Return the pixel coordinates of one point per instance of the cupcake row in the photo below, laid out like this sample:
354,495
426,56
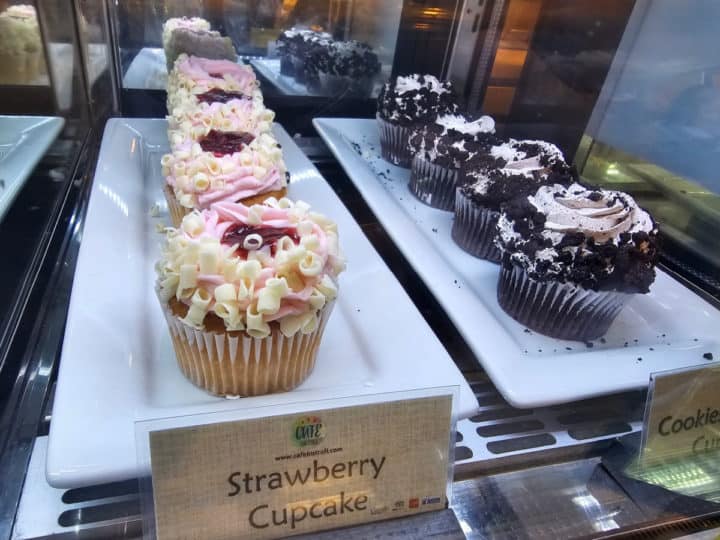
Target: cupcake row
571,255
247,278
326,65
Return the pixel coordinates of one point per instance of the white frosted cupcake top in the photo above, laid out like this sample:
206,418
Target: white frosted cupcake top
232,167
252,266
198,115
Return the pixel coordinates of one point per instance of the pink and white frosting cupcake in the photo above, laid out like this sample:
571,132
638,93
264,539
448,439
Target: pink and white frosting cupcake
217,110
222,166
247,292
193,76
190,23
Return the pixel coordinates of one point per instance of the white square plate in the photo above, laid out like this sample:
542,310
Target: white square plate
117,364
671,327
23,141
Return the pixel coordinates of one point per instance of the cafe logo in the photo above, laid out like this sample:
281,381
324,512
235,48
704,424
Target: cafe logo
308,430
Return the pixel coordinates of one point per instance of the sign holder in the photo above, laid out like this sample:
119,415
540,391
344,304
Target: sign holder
681,432
280,470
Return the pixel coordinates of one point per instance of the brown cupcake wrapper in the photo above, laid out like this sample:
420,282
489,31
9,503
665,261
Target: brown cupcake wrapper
475,227
286,66
433,184
235,364
394,143
559,310
176,210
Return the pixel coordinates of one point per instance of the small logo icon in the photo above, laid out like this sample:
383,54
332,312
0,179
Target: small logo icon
308,430
378,510
431,500
399,505
414,502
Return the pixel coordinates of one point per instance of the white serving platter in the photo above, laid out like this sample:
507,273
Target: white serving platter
669,328
23,141
117,365
270,69
147,71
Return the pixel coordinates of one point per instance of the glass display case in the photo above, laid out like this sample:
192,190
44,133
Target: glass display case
120,120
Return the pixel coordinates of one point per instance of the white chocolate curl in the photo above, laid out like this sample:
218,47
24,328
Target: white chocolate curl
281,284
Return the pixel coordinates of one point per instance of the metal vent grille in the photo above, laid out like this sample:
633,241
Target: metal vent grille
501,431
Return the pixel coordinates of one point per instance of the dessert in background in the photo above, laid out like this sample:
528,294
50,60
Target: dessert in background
201,43
293,48
190,23
222,166
407,101
441,148
247,292
20,45
492,178
346,68
572,257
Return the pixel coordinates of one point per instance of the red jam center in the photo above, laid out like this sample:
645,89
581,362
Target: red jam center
222,143
236,234
216,95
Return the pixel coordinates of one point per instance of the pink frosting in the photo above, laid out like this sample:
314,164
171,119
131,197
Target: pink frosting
237,184
203,69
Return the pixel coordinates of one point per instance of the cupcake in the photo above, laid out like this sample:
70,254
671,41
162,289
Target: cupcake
222,166
494,177
20,45
247,292
283,46
194,80
348,68
195,115
404,102
201,43
191,23
440,148
572,257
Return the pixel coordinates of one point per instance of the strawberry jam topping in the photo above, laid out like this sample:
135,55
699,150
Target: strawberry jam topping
237,234
216,95
221,143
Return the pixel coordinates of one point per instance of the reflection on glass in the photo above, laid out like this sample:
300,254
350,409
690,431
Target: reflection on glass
21,51
332,48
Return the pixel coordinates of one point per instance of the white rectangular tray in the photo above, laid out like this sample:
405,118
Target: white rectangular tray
671,327
117,364
23,141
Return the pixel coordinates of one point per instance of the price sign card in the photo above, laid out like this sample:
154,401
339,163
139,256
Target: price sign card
682,416
297,473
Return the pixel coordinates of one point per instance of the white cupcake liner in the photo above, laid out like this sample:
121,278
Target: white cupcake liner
475,227
394,143
235,364
560,310
433,184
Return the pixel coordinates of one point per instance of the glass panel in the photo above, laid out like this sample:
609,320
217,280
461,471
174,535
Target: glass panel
311,59
655,130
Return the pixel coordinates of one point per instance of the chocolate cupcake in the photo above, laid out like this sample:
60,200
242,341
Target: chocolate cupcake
347,68
440,148
492,178
572,257
404,102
